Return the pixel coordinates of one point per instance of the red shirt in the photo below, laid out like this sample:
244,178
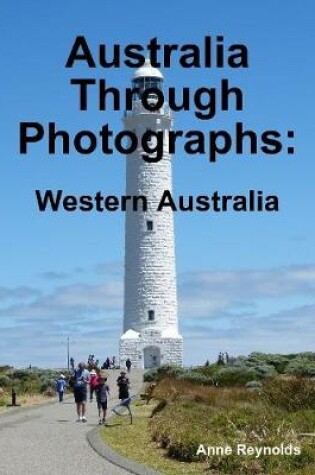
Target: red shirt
94,380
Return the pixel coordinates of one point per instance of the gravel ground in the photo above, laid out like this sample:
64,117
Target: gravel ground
47,440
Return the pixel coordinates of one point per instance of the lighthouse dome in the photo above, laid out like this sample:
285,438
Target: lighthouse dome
147,70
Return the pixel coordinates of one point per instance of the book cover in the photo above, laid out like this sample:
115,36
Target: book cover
211,233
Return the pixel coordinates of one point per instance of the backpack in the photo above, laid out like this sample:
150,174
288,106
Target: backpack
77,381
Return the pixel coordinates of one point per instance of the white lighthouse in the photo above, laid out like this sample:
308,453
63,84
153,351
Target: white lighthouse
150,335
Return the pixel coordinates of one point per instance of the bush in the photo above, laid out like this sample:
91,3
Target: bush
4,380
184,451
301,364
206,370
150,376
156,374
253,385
46,381
25,381
292,395
233,376
3,401
302,368
196,378
307,355
253,425
21,374
265,371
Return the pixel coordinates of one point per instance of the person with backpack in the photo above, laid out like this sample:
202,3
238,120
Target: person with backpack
80,380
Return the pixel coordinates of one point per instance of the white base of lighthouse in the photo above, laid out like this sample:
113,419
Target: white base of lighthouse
150,349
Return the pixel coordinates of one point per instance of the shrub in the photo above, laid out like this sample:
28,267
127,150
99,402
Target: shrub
253,425
292,363
21,374
150,376
307,355
47,384
265,371
209,370
156,374
233,376
4,380
3,401
197,378
167,369
24,381
291,395
300,367
253,385
184,451
279,364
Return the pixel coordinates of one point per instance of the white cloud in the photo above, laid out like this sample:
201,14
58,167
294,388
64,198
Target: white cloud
18,293
237,311
206,294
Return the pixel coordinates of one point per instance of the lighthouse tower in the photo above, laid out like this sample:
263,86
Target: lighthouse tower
150,335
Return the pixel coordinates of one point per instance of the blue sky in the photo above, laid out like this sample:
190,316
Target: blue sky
245,281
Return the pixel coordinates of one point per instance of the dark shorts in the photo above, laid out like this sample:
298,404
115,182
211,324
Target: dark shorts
80,394
102,405
123,393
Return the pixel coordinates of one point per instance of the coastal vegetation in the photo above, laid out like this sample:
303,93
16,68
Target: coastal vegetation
29,385
255,416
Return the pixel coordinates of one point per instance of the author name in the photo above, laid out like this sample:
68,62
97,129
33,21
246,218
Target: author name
250,201
249,450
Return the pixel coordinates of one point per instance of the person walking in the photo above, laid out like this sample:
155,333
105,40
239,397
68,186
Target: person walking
128,365
123,386
94,382
80,381
72,363
102,394
60,387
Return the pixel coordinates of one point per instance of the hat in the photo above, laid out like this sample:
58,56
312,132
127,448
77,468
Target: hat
62,376
122,372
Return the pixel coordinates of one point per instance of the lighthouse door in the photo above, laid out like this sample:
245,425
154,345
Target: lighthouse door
152,357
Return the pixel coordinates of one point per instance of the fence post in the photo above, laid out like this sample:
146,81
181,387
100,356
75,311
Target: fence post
13,400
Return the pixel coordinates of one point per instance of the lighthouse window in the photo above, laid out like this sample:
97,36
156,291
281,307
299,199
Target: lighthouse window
147,82
149,225
151,316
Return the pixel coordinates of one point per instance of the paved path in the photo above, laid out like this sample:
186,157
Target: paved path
47,440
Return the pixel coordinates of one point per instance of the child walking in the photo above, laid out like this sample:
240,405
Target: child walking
102,394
